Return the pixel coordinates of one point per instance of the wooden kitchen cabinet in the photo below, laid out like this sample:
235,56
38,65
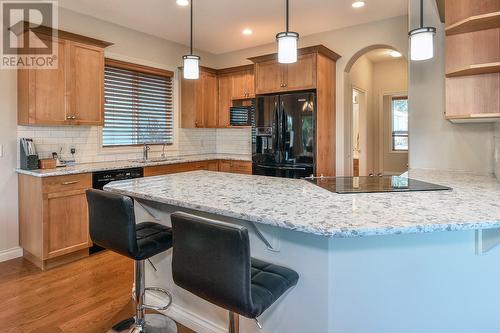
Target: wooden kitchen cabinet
235,84
269,77
243,83
199,99
86,84
472,60
273,77
244,167
211,165
53,218
72,93
225,101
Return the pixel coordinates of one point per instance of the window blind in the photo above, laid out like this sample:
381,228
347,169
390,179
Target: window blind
138,106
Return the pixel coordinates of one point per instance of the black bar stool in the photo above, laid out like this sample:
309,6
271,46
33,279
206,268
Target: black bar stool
211,259
113,226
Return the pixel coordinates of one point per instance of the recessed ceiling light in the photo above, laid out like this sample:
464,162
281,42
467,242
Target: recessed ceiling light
358,4
182,3
394,54
247,32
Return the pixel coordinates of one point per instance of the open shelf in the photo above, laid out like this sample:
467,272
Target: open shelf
475,23
492,67
474,118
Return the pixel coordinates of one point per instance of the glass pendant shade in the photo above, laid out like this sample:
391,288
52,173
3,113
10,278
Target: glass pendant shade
191,67
287,47
422,43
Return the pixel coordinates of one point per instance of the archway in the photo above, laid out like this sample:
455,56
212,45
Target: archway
373,141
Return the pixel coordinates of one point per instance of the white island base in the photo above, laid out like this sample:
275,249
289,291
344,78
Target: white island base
411,283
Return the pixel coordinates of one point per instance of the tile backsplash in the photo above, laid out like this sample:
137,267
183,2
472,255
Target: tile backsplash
87,142
497,149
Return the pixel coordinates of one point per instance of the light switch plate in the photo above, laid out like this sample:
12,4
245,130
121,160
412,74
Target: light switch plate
1,150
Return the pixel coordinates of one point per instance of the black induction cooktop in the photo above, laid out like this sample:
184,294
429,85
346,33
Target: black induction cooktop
344,185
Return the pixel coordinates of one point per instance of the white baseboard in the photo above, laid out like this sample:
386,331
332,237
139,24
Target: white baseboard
185,317
13,253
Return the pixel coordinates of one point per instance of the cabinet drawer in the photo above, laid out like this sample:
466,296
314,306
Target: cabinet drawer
67,183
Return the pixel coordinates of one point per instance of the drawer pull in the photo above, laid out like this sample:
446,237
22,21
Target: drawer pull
70,183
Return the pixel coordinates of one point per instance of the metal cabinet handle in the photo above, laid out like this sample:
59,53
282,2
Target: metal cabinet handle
70,183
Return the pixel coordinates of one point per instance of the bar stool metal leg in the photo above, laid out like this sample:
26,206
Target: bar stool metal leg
144,323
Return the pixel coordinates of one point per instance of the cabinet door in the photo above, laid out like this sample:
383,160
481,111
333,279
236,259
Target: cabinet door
191,112
269,77
87,79
213,165
225,84
67,223
209,99
225,166
302,74
49,91
243,85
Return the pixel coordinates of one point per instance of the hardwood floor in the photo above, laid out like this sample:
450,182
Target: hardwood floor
87,296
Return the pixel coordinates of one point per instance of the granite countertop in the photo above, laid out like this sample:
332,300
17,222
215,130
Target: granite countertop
103,166
474,202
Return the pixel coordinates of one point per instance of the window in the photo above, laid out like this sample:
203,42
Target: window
138,105
400,123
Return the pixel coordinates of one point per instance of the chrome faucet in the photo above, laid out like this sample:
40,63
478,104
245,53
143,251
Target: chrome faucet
145,152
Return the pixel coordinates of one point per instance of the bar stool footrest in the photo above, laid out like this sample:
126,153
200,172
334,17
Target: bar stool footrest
161,291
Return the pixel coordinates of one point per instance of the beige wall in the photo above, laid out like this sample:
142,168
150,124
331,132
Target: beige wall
389,78
436,143
497,150
362,79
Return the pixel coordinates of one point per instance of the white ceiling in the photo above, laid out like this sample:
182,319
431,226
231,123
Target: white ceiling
379,55
218,23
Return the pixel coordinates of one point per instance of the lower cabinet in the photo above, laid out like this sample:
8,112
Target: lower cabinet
53,218
243,167
212,165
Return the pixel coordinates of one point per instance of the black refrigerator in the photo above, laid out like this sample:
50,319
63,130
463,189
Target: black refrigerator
283,142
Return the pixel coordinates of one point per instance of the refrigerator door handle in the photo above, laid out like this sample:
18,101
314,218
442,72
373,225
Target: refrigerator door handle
276,134
284,129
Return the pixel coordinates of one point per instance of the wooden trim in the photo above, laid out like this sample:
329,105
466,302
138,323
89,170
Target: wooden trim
474,116
44,30
492,67
475,23
320,49
137,67
236,69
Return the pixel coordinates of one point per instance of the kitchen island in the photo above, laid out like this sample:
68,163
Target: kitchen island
367,262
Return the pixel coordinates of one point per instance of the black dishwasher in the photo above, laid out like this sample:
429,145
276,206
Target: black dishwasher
101,178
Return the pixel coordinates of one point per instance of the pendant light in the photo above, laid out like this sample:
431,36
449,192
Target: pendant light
191,61
287,43
422,39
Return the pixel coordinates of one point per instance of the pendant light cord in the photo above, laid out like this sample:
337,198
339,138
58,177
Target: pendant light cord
287,15
421,13
191,33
